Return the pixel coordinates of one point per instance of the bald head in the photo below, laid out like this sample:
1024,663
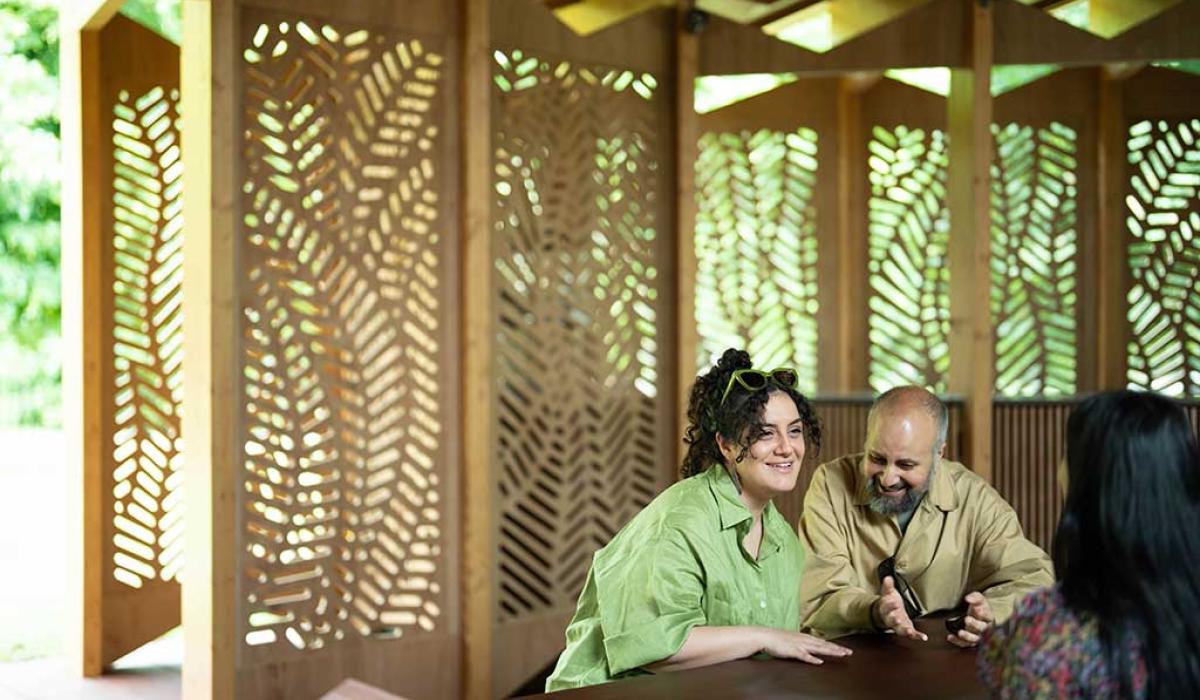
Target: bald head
903,401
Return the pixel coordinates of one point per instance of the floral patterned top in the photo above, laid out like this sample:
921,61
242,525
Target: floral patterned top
1047,650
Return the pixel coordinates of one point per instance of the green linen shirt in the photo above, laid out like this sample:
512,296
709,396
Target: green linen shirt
678,564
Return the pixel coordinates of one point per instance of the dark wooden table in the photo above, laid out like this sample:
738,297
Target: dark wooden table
882,666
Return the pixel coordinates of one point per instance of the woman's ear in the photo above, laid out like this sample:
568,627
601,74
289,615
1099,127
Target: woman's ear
728,449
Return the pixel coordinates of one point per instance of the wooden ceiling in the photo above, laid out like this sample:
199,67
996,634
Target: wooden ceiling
822,25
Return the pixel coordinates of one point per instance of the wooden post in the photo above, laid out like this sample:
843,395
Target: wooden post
851,366
83,264
687,135
1112,273
211,344
972,367
480,504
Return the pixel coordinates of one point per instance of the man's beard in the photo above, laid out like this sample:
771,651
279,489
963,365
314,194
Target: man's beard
887,505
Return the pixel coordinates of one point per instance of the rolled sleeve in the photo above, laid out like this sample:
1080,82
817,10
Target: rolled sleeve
649,602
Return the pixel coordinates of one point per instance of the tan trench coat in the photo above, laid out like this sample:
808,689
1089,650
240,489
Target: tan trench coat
962,538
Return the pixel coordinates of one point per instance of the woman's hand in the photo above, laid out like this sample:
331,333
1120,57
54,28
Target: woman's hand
803,647
705,646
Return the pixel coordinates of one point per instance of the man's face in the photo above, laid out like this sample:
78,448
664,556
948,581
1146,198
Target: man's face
899,458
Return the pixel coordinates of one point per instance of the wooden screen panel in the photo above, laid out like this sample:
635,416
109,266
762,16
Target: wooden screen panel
140,301
756,248
1162,215
582,364
908,235
1034,236
1044,238
349,538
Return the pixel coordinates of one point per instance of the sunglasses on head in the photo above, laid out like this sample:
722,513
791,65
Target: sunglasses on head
756,380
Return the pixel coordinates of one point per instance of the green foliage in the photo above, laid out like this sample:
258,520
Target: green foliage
30,298
30,301
162,16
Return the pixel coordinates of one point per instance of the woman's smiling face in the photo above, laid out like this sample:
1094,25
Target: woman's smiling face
771,465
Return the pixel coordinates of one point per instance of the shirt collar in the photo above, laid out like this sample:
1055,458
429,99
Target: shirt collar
941,492
733,512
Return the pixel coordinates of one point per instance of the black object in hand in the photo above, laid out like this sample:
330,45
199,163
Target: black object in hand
956,624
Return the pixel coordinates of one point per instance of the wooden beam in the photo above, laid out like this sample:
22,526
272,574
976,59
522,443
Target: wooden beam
687,135
480,503
785,12
929,35
1027,35
1112,267
824,26
587,18
637,43
210,135
972,365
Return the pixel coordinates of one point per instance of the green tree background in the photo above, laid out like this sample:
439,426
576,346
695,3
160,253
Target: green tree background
30,298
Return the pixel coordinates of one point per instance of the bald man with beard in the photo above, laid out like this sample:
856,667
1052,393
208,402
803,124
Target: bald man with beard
898,532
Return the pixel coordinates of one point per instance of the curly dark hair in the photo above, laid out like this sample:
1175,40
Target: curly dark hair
738,419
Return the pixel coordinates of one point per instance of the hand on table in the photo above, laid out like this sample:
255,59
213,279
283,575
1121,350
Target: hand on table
975,623
804,647
889,612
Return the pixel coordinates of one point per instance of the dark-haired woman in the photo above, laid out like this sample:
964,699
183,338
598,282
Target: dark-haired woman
709,571
1124,619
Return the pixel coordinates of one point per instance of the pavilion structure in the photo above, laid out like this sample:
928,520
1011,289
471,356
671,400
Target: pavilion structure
379,315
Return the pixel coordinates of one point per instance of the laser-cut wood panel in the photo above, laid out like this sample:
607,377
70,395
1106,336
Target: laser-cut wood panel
909,232
139,300
1034,269
580,226
756,248
349,562
1163,217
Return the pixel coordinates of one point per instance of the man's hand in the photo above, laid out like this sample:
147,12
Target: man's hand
889,612
977,620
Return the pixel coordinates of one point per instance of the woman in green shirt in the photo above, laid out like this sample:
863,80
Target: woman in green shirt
709,571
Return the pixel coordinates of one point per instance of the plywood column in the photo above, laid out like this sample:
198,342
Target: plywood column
972,366
83,328
211,332
1112,269
479,486
850,362
687,134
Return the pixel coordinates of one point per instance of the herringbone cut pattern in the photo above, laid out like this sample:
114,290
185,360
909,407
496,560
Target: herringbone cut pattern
147,250
756,248
1034,272
344,323
1164,257
908,235
579,350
